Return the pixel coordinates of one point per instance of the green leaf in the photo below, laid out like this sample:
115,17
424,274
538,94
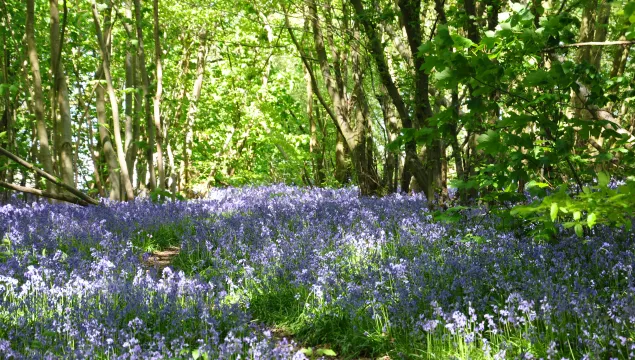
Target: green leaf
576,215
603,179
196,354
325,352
443,37
307,351
517,7
554,211
536,78
462,42
591,220
578,230
443,75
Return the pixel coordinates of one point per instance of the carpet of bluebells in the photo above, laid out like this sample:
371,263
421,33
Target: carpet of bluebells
367,277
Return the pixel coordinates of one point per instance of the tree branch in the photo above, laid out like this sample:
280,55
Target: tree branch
28,190
49,177
310,71
592,43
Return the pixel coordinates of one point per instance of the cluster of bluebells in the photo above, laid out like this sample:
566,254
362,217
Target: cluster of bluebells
72,283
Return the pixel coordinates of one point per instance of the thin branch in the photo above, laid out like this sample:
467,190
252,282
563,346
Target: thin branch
310,71
592,43
564,2
38,192
49,177
63,32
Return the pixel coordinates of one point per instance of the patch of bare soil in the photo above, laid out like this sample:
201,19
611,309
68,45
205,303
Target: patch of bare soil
159,260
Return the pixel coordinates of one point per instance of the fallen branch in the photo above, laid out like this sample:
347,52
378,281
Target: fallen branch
49,177
46,194
592,43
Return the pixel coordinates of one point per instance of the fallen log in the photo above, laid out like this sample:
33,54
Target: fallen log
49,177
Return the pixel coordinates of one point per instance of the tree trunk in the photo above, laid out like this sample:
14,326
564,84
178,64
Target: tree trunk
121,156
341,167
64,146
106,142
363,156
159,93
619,59
601,30
171,126
193,109
412,164
145,86
130,140
89,136
136,131
38,99
314,145
393,127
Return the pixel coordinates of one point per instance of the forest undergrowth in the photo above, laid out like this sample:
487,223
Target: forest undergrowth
336,274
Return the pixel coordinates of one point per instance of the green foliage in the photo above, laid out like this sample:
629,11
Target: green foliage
595,205
161,195
5,248
449,216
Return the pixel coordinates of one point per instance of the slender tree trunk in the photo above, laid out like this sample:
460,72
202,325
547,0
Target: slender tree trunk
145,86
63,122
141,166
314,145
412,164
363,155
130,145
341,167
171,127
601,30
193,108
619,59
109,150
89,137
393,127
410,10
159,93
121,156
109,160
6,119
38,99
331,83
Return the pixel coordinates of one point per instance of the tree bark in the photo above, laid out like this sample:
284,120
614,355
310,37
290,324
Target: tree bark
121,156
314,145
601,30
393,127
48,176
38,99
37,192
65,146
159,93
193,108
413,165
89,140
145,86
109,150
171,126
131,138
